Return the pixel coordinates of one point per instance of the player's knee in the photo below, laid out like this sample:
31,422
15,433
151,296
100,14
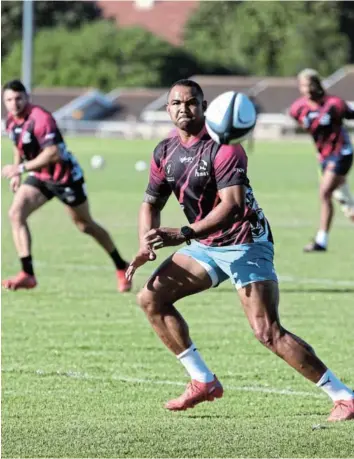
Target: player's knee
16,215
268,335
146,301
84,226
325,194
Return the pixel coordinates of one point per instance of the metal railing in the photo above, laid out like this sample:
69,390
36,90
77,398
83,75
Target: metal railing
269,125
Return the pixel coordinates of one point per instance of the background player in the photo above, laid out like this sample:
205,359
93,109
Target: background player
53,172
322,116
231,239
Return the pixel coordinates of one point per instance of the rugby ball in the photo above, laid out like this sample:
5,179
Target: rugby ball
97,162
230,117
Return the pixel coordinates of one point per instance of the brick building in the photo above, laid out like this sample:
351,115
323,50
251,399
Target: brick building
165,19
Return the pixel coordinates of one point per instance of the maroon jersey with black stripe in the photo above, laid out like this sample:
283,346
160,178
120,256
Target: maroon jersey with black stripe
195,172
324,121
36,131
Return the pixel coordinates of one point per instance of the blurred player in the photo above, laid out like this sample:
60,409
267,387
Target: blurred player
53,172
228,237
257,106
322,116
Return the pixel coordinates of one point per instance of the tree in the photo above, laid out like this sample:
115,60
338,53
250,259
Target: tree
69,14
347,23
209,36
98,54
269,38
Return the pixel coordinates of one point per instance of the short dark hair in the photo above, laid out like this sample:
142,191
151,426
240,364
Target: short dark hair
15,85
188,84
315,81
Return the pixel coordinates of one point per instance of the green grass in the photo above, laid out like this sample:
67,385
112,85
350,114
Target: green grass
85,376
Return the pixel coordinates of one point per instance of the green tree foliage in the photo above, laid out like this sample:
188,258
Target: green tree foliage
68,14
269,38
100,55
347,23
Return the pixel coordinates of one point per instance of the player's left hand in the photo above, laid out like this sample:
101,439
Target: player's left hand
164,237
10,170
143,256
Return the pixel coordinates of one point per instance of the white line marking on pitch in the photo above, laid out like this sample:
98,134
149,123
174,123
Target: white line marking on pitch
284,279
121,378
268,390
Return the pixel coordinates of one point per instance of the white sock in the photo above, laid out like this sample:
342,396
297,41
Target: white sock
195,365
343,195
345,199
322,238
334,388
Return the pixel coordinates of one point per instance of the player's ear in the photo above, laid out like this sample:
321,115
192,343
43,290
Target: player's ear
168,108
204,105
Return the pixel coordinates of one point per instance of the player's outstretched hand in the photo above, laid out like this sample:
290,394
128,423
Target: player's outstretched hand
10,170
142,257
163,237
15,183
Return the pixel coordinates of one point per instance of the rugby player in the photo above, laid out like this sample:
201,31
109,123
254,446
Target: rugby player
53,171
322,115
228,237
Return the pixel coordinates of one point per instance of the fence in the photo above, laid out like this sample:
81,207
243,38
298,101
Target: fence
269,126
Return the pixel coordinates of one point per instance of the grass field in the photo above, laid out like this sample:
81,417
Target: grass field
83,375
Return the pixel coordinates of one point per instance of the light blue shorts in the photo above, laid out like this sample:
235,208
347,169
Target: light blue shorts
242,264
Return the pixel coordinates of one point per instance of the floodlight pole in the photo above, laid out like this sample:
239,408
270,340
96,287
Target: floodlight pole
27,44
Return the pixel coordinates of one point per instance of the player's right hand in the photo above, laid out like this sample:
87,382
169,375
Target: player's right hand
15,183
143,256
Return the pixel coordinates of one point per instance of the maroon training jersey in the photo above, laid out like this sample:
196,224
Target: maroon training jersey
32,134
324,121
195,173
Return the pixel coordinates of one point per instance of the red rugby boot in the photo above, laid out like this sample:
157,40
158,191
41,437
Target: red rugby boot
123,284
21,280
343,410
196,392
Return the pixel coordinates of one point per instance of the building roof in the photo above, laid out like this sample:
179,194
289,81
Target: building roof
52,98
130,103
166,19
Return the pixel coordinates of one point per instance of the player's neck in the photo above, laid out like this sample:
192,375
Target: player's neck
317,100
21,116
189,138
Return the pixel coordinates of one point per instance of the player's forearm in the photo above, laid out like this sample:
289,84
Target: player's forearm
17,157
49,155
221,217
149,218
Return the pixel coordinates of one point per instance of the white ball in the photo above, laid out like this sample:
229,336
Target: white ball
230,117
97,162
140,166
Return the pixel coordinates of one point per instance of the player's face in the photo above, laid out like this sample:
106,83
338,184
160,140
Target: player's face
15,102
186,108
306,88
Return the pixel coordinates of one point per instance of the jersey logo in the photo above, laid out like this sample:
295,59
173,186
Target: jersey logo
186,159
202,169
26,138
169,170
313,115
325,120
